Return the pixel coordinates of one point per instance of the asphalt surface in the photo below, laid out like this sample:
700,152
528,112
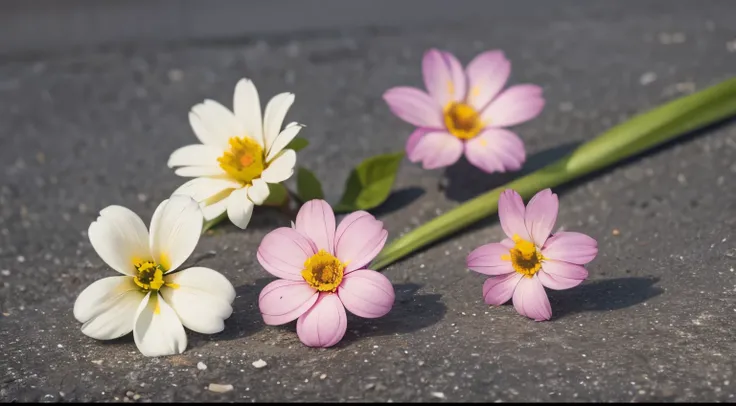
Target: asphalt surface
655,321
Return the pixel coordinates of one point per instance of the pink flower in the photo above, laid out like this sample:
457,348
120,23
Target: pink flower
522,265
322,273
466,111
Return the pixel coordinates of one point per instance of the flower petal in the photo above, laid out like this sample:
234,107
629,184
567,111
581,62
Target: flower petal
280,168
570,246
283,252
258,193
247,108
203,189
443,77
487,73
216,209
530,299
157,329
200,297
496,150
175,229
199,171
324,324
499,289
564,269
203,133
540,216
366,293
224,119
316,220
486,259
120,238
358,239
273,119
413,140
557,283
515,105
212,121
107,307
282,140
436,150
195,155
511,213
282,301
415,107
239,208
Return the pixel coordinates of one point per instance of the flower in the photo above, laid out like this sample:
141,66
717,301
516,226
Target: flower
322,273
151,299
465,111
529,260
239,154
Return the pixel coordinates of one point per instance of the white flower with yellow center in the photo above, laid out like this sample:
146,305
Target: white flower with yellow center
239,155
152,300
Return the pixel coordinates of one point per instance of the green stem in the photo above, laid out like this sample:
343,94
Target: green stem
625,140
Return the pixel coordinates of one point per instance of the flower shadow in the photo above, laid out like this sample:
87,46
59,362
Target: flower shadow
397,200
411,312
603,295
464,181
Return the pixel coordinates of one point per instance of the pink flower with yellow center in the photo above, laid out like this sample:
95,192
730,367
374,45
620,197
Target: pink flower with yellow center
322,271
466,112
529,260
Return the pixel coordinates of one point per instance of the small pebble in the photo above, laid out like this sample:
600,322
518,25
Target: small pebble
438,395
259,364
21,259
201,366
615,231
97,361
136,396
323,376
218,388
129,393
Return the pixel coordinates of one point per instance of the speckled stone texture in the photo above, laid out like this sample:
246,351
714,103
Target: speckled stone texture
655,321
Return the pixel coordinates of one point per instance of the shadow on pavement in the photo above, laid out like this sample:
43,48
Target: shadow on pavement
398,200
603,295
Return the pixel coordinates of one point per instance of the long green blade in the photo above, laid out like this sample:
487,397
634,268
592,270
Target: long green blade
630,138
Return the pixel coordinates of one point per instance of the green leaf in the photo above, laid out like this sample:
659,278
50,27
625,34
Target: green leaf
308,186
277,196
623,141
297,144
370,183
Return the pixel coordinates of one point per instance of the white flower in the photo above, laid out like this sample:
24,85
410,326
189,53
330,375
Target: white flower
239,153
151,300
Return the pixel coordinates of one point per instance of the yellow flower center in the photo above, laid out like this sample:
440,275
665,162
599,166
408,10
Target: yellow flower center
150,276
244,161
462,120
524,257
323,271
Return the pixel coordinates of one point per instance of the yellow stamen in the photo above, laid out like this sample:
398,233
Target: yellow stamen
323,271
150,276
525,258
462,120
244,161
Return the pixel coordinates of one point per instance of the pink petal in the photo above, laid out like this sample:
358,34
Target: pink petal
282,301
283,252
316,220
511,214
487,73
556,282
530,299
443,76
366,293
486,259
499,289
496,150
324,324
413,140
541,214
437,150
570,246
414,106
564,269
358,239
515,105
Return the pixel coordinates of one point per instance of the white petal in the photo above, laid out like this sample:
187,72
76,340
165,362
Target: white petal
211,119
108,307
207,189
258,193
239,208
247,108
225,118
215,210
281,168
195,155
198,171
119,238
274,117
175,229
204,134
157,329
201,298
282,140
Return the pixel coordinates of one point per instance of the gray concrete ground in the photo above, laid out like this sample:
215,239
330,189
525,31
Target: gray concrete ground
655,321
